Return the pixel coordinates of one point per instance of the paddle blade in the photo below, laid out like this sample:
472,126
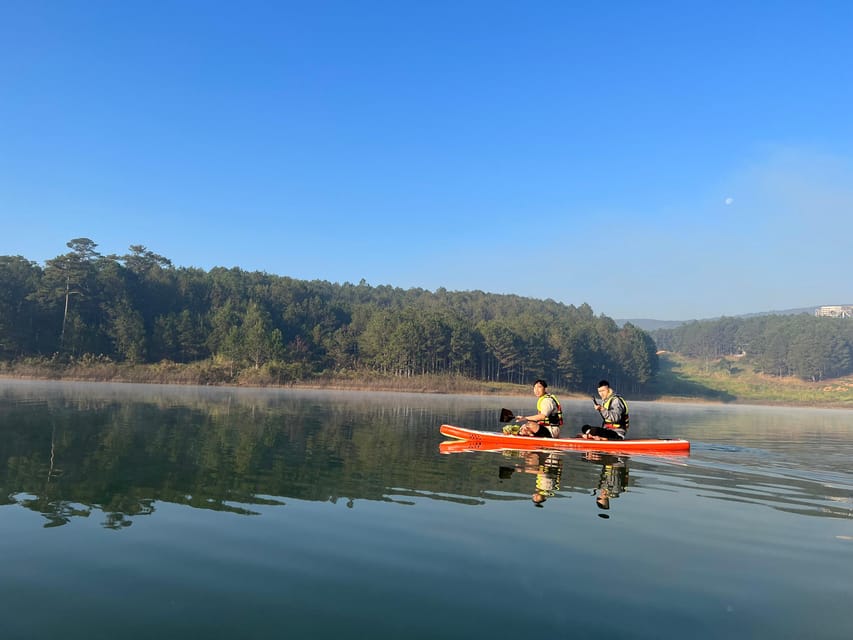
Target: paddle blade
506,415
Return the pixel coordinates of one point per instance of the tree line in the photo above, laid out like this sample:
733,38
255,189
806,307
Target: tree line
805,346
139,308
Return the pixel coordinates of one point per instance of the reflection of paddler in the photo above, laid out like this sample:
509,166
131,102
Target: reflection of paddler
612,480
548,468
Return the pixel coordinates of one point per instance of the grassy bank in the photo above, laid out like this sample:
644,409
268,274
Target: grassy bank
732,380
212,373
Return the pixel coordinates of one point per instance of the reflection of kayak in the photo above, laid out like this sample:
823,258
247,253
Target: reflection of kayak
471,440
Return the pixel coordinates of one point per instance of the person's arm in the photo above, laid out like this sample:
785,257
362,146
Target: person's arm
534,418
548,406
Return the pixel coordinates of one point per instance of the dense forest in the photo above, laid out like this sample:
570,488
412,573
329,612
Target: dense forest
802,345
139,308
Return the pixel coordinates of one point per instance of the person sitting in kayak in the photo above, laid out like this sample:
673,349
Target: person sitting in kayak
614,416
548,418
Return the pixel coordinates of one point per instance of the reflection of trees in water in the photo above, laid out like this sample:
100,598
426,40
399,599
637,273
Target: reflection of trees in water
72,456
67,455
57,512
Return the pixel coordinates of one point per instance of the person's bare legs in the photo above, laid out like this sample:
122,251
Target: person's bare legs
528,429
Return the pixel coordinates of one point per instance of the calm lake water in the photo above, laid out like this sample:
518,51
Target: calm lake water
161,512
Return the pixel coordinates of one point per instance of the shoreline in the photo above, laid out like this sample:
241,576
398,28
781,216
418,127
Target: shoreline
405,385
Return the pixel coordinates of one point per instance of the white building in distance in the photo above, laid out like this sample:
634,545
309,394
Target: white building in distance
835,311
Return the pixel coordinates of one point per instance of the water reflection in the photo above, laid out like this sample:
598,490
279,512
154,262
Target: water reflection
546,466
115,452
605,480
613,479
728,474
240,509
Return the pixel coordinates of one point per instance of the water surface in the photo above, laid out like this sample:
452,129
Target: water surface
150,511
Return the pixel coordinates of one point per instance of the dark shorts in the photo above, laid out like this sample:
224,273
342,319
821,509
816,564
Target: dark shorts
601,432
544,432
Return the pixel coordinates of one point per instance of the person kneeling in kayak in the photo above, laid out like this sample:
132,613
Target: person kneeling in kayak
546,423
614,416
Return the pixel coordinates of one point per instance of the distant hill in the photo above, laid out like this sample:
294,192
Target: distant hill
786,312
648,324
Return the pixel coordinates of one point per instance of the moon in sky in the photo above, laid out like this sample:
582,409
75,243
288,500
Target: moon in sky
729,200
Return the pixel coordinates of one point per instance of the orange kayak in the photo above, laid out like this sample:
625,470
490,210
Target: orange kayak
473,440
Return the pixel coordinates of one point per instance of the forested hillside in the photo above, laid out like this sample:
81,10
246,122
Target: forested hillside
139,308
804,346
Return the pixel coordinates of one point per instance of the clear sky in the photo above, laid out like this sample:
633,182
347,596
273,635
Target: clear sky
656,159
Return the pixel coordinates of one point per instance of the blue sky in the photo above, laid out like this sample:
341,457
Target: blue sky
667,160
